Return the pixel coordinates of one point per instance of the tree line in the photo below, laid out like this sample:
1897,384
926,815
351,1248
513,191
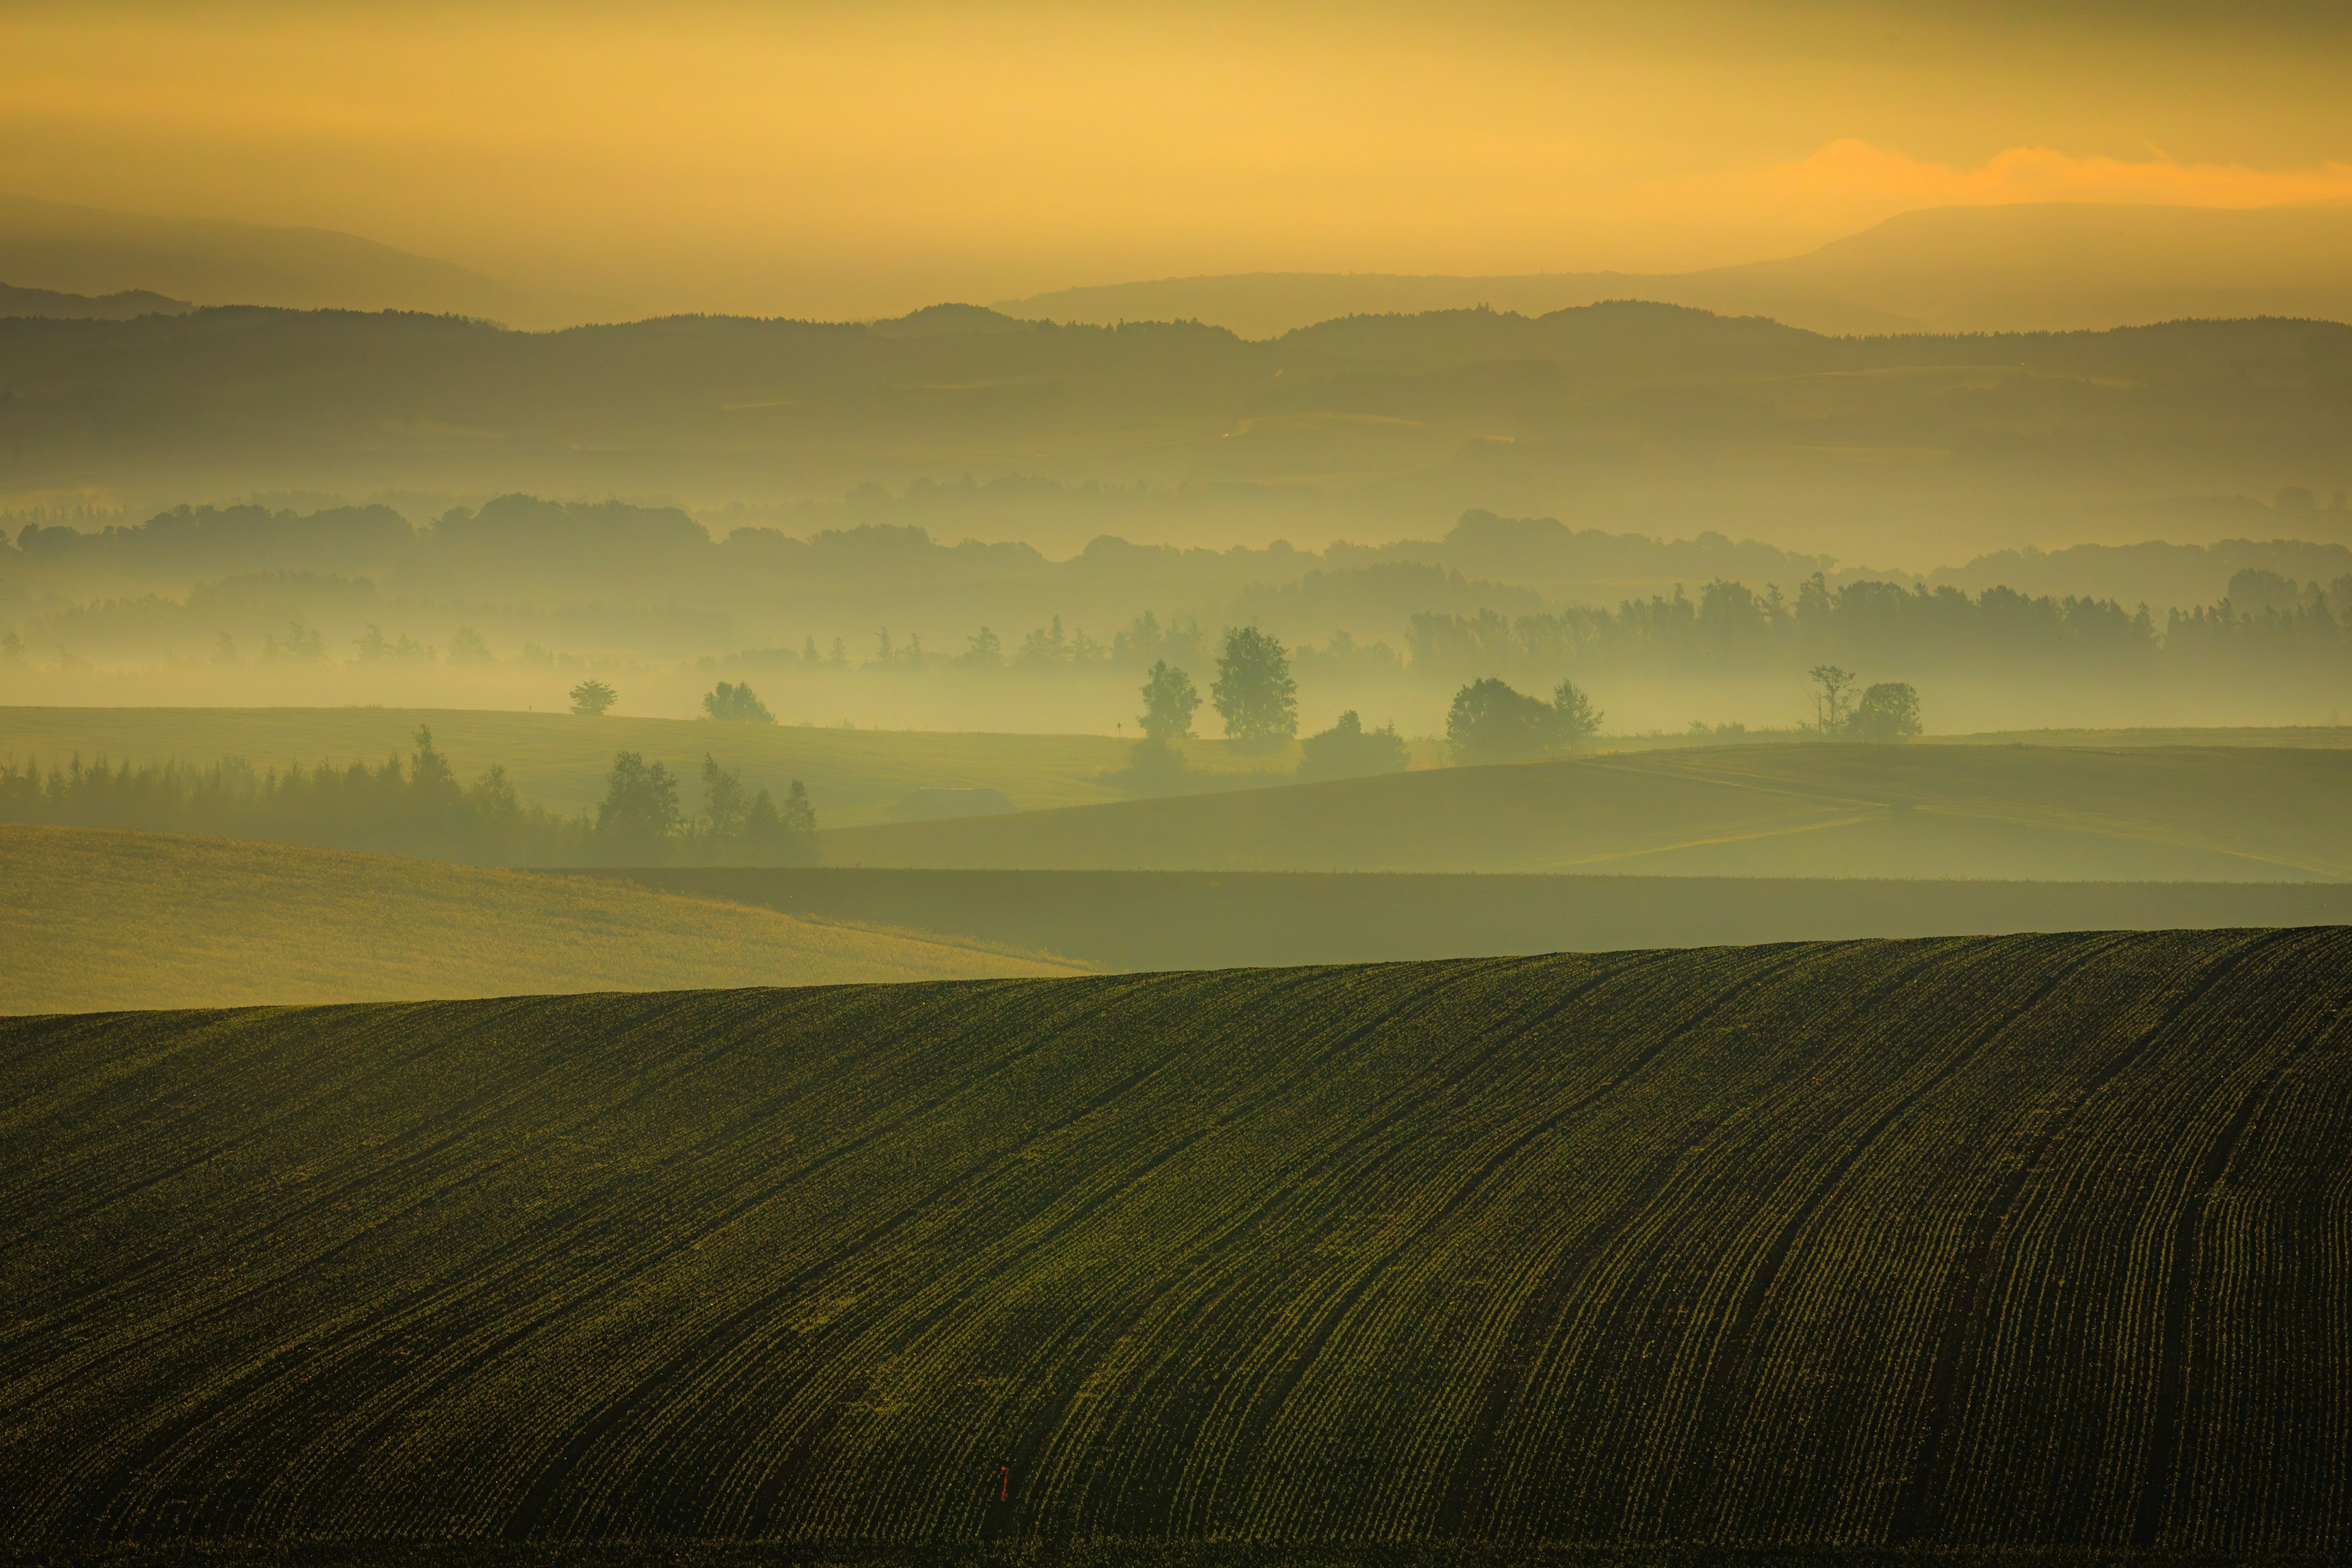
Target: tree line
1730,624
2265,621
416,806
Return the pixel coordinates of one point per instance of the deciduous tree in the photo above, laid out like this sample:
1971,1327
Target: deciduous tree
1254,693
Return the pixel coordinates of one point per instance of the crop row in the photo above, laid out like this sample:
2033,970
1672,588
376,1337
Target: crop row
2031,1241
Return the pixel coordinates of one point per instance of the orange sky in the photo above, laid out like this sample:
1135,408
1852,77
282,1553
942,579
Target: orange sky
846,160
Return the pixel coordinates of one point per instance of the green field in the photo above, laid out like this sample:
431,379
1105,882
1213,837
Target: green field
1210,920
92,919
853,775
2027,1244
2229,813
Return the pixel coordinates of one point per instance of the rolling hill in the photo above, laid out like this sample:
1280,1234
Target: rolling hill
2228,814
2024,1246
90,919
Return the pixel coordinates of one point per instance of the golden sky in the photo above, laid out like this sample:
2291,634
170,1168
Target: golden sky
856,159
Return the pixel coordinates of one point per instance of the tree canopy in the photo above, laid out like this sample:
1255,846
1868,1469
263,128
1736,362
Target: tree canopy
1254,693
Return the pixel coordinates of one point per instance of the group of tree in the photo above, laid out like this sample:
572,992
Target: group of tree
1492,722
1253,694
641,821
1347,750
416,806
734,703
1845,710
729,701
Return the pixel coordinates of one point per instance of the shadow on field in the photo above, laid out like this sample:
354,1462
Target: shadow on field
1202,919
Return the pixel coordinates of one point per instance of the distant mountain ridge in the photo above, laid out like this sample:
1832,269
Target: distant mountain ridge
58,249
52,305
2044,267
1648,418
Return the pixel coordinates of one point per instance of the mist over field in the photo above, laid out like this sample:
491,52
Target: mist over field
1213,786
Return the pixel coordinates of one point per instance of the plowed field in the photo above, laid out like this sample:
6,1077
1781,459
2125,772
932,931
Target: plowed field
2024,1242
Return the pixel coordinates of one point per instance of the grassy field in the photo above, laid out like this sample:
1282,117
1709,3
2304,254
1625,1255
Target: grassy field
2026,812
853,775
2009,1244
102,920
1209,920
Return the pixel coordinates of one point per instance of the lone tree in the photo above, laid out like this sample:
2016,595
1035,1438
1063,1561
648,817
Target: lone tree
1169,704
640,810
1834,703
591,697
1889,710
1254,693
736,704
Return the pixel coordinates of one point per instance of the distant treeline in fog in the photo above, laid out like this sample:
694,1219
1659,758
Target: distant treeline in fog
417,806
611,579
1730,625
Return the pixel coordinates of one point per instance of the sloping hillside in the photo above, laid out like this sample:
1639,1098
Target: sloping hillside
2231,814
93,919
2031,1243
1213,919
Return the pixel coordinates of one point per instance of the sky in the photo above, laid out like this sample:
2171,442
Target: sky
847,160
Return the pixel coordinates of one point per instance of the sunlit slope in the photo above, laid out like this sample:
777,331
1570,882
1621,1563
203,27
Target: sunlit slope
90,919
2229,813
2026,1242
561,761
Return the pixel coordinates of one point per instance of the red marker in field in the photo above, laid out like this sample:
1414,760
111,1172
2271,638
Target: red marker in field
1004,1483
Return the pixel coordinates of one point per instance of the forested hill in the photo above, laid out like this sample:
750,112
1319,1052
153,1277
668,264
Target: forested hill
1486,405
2028,1243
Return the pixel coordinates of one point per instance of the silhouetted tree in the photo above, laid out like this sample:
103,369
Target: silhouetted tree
1834,703
1889,710
640,811
1492,723
1254,693
433,786
1346,750
303,645
734,704
1169,704
774,838
724,805
591,697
